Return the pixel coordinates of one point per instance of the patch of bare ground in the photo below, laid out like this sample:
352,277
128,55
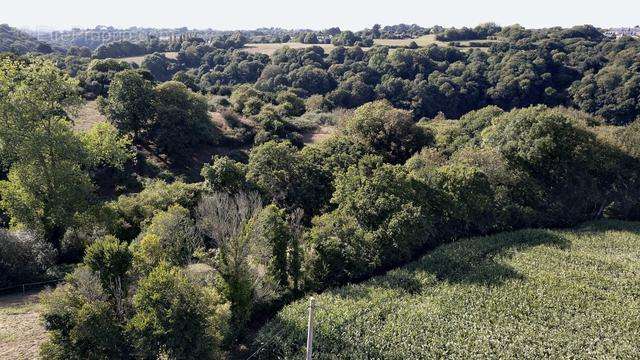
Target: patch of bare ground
318,134
21,329
87,116
139,59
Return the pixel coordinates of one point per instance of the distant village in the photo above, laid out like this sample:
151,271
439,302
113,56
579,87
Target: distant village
618,32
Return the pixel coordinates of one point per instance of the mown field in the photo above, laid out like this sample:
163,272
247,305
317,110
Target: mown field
21,329
528,294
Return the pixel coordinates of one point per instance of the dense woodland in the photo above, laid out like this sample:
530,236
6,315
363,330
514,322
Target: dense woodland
432,144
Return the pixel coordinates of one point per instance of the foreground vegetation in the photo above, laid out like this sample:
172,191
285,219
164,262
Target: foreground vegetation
526,294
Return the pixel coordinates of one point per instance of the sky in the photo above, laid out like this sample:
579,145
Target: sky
318,14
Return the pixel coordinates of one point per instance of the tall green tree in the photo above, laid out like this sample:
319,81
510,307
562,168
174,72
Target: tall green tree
130,102
46,183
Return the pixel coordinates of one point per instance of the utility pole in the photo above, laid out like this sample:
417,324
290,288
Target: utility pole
310,328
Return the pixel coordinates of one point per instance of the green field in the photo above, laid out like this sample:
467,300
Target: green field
528,294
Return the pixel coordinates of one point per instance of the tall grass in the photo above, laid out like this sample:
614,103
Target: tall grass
527,294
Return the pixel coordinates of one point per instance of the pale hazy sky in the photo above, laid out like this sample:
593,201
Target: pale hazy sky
318,14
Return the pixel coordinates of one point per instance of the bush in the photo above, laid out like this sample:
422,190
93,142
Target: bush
82,324
175,318
24,257
111,259
170,237
224,174
131,212
382,218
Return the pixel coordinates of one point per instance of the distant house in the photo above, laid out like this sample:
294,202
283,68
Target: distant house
618,32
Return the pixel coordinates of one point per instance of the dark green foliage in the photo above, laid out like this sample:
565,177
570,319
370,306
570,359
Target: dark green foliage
171,236
111,260
558,154
93,334
280,172
24,257
97,76
272,228
477,33
614,91
469,200
119,49
224,174
130,104
181,119
130,212
18,42
385,131
382,217
82,322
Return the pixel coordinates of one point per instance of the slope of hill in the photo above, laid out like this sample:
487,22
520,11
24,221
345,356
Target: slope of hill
18,42
527,294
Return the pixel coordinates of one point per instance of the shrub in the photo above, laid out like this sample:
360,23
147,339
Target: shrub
24,257
132,211
174,318
171,236
224,174
111,260
82,324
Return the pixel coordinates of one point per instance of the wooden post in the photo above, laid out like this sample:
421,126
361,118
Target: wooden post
310,328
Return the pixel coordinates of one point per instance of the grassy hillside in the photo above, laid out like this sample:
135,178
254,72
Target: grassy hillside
527,294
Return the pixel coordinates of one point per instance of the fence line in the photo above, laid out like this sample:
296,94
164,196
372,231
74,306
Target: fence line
25,285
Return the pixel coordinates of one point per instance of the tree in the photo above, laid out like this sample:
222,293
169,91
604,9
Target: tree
469,199
130,104
382,217
224,174
170,237
272,229
173,318
559,154
47,182
105,147
111,260
225,218
290,103
272,169
181,119
385,131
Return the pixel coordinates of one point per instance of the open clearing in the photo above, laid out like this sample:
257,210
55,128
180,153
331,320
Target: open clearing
87,116
533,294
423,41
21,331
139,59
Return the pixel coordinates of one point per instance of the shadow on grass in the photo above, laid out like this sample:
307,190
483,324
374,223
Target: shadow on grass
479,260
482,260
